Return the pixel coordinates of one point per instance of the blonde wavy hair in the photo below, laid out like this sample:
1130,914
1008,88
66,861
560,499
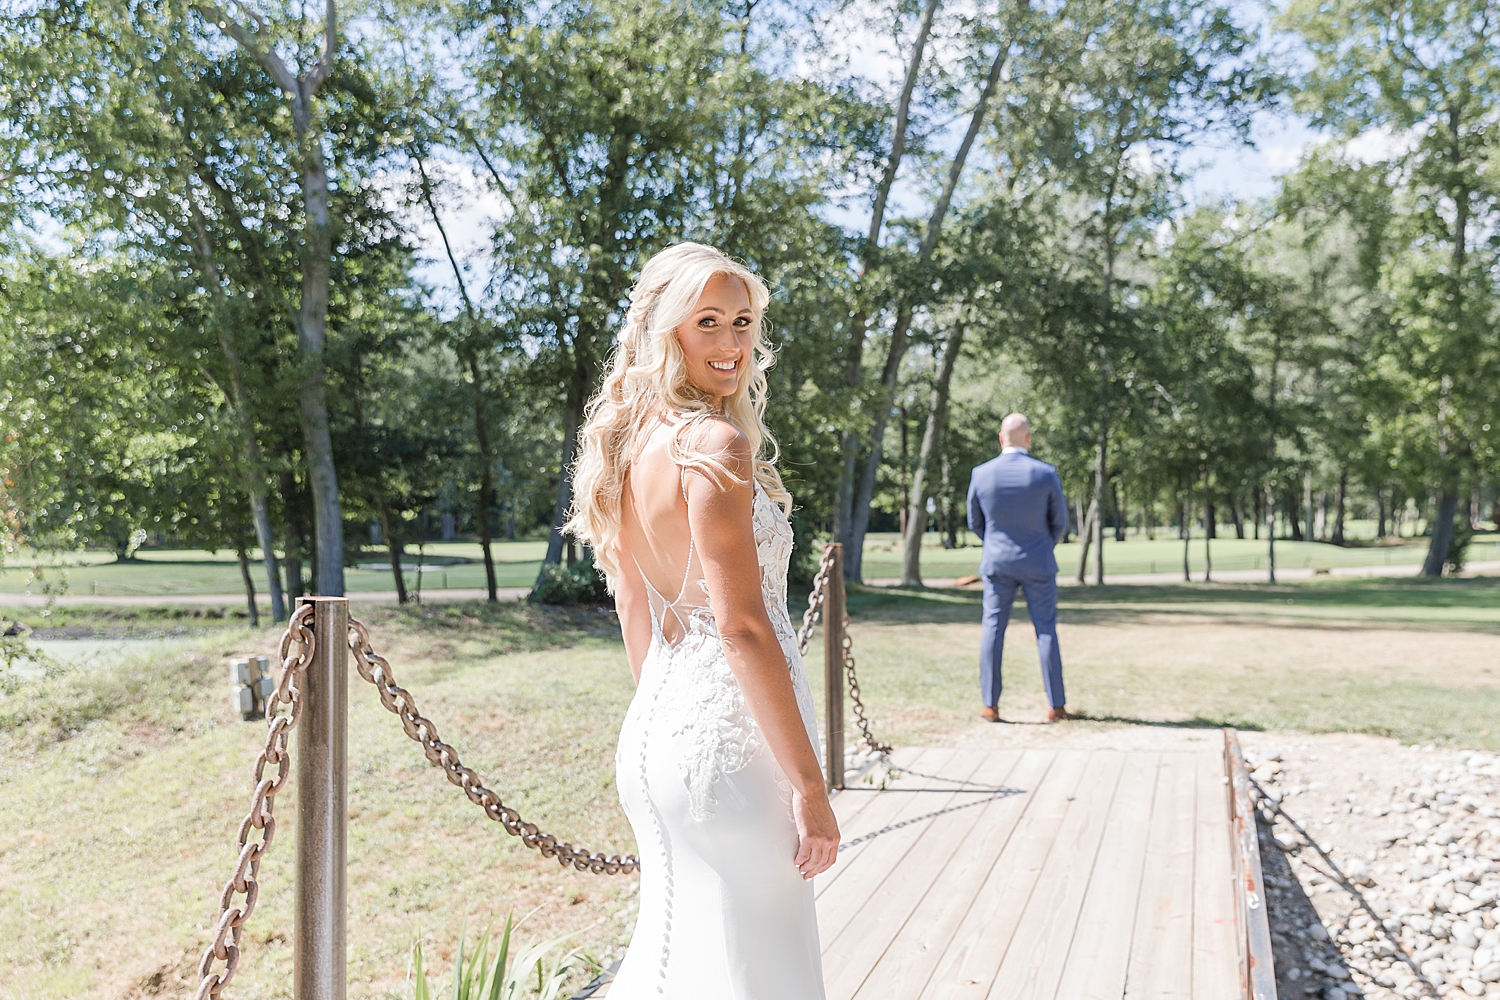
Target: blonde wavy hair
648,377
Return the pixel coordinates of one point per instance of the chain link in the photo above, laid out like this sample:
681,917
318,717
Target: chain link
232,915
883,749
815,601
374,668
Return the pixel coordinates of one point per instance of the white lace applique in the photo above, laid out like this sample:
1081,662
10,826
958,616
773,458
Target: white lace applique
700,691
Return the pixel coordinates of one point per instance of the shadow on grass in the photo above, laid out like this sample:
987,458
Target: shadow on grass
499,627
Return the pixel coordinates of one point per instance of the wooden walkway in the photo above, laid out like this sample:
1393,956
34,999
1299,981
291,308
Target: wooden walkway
1034,875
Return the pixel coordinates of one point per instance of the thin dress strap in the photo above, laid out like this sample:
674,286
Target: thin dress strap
654,595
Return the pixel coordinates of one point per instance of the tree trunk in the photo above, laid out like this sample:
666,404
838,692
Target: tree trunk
1119,512
1101,476
1309,510
239,404
291,500
1294,514
1338,513
1442,532
956,515
1380,514
1239,518
421,551
316,261
312,323
260,514
859,520
1209,534
486,498
905,485
1086,538
937,417
486,481
392,549
859,322
571,416
1187,535
1270,504
239,550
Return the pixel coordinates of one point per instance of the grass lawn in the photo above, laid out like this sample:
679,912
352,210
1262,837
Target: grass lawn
1164,555
164,572
124,785
458,565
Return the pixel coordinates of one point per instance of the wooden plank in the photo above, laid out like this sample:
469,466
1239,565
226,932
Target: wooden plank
1161,955
1034,962
1215,925
1100,954
850,802
968,965
1257,960
886,847
909,960
849,957
893,819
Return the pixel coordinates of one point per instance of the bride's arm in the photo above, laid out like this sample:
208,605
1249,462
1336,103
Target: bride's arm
633,609
721,517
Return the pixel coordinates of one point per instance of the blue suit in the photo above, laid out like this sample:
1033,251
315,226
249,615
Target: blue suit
1016,506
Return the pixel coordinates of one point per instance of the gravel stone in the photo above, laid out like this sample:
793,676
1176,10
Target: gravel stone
1385,871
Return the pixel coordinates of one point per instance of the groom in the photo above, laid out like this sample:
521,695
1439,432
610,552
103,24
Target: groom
1016,506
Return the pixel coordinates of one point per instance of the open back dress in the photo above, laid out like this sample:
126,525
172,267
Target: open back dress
724,912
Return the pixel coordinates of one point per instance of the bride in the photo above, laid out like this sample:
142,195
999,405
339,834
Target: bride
717,765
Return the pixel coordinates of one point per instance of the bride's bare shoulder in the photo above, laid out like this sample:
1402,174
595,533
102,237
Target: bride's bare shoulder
721,441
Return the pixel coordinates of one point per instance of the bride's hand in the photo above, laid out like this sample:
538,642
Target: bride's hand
817,833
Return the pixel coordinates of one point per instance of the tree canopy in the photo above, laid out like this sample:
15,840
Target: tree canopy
282,278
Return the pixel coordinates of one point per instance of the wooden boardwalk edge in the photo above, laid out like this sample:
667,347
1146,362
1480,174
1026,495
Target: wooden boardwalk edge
1257,965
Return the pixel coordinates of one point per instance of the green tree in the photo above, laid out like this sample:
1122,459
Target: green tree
1429,75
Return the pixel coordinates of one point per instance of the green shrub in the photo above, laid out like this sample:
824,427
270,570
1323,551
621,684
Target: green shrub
540,971
580,583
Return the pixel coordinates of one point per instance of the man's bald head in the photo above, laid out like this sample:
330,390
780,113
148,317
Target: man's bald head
1015,431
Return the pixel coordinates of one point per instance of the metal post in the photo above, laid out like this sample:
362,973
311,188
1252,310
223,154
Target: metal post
322,776
833,668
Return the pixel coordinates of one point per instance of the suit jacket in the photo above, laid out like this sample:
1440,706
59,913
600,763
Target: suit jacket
1016,505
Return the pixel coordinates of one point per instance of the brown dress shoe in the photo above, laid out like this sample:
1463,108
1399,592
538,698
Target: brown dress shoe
1057,714
990,714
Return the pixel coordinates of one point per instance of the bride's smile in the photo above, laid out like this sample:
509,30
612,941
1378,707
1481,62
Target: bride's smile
718,335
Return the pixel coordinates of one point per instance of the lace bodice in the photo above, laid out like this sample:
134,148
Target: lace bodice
694,690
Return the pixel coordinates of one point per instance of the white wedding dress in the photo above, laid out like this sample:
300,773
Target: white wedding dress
725,914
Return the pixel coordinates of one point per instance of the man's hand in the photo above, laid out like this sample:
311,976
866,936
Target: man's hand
817,833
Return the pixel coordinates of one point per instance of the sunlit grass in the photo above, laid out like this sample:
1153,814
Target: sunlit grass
1164,555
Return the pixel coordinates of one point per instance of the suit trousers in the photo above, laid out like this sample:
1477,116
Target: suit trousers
1041,603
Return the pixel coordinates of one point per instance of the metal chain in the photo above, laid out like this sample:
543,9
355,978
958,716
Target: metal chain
883,749
815,601
374,668
232,915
